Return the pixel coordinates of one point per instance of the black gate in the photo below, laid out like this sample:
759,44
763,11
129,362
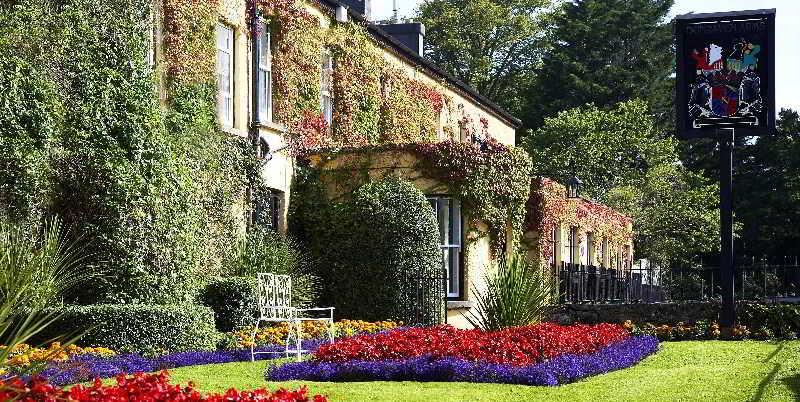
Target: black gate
426,298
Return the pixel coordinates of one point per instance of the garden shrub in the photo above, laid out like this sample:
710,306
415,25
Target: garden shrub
371,250
780,320
137,328
233,301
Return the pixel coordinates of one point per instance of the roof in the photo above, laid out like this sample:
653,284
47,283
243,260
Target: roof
414,58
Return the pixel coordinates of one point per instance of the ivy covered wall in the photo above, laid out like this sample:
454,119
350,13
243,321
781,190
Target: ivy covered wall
155,192
548,209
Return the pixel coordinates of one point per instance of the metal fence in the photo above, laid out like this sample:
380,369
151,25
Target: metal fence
755,279
589,284
427,299
776,279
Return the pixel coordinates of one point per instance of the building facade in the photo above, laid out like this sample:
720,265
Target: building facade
314,80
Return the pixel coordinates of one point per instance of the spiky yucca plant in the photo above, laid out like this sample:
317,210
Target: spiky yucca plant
35,270
518,292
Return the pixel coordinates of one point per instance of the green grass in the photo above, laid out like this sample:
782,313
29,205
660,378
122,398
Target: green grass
680,371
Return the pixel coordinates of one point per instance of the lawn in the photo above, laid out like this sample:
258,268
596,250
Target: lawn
680,371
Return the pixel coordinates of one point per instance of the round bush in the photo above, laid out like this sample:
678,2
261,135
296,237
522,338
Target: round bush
372,250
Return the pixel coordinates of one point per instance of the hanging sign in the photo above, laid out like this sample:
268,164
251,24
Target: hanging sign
725,73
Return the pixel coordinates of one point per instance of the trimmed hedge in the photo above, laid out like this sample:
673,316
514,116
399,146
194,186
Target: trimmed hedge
139,328
233,301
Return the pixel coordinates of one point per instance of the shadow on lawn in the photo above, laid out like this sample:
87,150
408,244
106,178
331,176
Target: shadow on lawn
793,382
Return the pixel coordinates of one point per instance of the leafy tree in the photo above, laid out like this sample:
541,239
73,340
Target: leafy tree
492,45
767,191
624,163
605,52
674,213
607,148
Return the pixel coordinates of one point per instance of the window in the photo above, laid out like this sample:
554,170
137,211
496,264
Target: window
604,253
263,78
225,75
448,213
275,209
590,245
326,94
573,246
267,209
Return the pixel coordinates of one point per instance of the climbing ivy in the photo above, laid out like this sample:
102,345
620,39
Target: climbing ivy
153,190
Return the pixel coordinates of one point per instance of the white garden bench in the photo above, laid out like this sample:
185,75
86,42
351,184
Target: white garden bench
274,298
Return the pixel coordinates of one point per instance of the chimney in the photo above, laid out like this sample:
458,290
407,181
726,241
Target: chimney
410,34
363,7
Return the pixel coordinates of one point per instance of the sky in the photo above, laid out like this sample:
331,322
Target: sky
787,34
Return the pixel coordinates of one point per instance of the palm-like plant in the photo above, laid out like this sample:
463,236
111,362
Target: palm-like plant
35,270
517,292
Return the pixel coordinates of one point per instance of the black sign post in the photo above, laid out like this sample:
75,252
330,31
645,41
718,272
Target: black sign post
725,86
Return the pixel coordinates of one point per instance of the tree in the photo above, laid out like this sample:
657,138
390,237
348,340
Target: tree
767,191
607,148
766,186
605,52
626,165
492,45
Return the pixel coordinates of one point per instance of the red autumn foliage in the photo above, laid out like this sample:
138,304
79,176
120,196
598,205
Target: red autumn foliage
140,388
518,346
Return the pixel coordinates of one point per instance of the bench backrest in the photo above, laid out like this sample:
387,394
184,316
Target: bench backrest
274,295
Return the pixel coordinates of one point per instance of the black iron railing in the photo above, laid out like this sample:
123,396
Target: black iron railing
754,279
776,279
590,284
426,299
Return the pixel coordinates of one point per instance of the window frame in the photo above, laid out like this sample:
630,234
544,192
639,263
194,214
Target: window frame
327,67
453,231
262,67
226,116
574,245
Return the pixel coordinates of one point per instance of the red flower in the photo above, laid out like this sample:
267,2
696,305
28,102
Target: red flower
519,346
140,388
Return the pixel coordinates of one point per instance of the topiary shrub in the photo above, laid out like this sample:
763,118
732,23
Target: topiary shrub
373,250
137,328
233,301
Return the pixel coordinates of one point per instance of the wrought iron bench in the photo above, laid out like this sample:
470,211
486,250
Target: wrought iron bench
274,294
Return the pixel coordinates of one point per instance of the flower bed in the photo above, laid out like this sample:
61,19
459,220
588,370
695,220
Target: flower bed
700,330
518,346
140,388
542,354
24,355
563,369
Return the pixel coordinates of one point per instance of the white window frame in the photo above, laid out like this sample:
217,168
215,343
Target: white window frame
225,46
326,86
448,215
590,248
573,246
264,71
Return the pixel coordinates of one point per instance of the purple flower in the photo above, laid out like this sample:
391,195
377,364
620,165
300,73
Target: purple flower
83,368
559,370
